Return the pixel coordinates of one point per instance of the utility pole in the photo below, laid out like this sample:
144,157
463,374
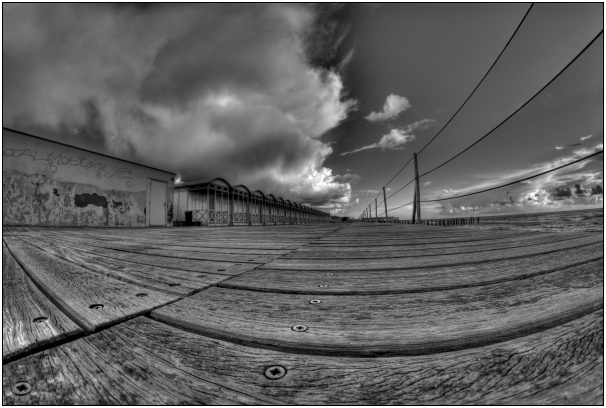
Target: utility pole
414,208
385,201
376,212
417,190
370,211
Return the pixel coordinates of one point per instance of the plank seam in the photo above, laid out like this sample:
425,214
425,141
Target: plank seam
456,253
345,353
433,266
405,291
132,262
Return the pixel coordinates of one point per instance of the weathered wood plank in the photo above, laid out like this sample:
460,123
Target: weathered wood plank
437,260
175,282
227,268
29,319
118,251
147,362
77,292
156,243
417,323
413,280
315,252
406,244
243,245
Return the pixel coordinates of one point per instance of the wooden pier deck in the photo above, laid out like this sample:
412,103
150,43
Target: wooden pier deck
306,314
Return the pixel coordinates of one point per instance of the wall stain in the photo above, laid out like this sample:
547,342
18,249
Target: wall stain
82,200
28,200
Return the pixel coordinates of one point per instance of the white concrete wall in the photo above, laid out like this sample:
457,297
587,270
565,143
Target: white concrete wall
47,183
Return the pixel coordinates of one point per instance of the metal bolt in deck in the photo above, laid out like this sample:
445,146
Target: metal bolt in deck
22,388
275,372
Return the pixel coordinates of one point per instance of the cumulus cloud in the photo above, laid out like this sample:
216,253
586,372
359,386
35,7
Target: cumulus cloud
426,183
396,139
347,178
393,106
570,188
204,90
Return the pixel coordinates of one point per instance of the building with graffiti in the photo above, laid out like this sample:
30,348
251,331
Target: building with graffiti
48,183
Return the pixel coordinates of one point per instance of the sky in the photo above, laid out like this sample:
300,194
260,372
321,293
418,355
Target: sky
323,104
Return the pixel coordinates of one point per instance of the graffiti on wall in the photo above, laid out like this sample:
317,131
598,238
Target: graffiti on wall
28,199
52,161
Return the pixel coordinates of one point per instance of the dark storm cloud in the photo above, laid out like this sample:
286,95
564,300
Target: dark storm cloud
327,40
239,91
563,193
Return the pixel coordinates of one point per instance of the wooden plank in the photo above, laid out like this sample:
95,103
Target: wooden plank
406,244
404,262
245,261
416,240
171,281
156,243
183,242
315,252
77,291
227,268
29,320
413,280
146,362
418,323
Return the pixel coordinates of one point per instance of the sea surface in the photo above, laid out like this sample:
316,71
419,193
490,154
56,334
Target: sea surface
562,221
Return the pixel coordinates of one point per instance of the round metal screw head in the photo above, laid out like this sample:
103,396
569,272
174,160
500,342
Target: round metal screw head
96,306
330,274
300,328
40,319
322,286
275,372
315,301
22,388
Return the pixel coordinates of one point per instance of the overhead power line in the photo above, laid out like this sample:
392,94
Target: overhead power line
482,80
470,95
517,181
506,119
520,108
504,185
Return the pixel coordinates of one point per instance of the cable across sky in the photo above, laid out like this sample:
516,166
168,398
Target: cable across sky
500,124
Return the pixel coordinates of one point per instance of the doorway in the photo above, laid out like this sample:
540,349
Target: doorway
157,203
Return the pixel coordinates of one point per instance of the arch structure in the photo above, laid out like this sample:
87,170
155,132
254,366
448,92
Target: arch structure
216,202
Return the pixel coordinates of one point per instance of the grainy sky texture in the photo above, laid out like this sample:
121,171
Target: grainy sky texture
321,104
